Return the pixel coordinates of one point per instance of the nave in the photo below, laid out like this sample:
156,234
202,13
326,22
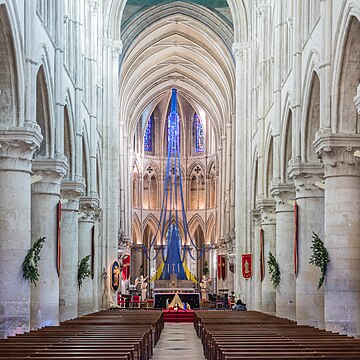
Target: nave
141,335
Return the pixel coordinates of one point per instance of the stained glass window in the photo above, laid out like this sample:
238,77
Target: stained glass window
173,129
148,135
199,135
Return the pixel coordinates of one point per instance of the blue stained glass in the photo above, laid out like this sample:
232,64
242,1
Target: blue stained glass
173,128
199,135
148,135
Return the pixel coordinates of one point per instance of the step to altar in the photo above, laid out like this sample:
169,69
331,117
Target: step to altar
178,316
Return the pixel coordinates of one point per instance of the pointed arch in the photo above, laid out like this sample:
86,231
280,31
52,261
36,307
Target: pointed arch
268,169
286,145
9,77
136,230
210,237
349,80
86,159
43,117
345,34
312,121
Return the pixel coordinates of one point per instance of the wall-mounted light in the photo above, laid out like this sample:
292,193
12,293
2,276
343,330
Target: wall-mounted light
357,153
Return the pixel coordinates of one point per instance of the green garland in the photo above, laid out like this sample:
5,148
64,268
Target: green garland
274,270
29,265
83,270
320,257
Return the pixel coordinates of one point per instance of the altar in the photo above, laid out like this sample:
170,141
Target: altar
193,299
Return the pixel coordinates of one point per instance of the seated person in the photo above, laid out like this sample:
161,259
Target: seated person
240,306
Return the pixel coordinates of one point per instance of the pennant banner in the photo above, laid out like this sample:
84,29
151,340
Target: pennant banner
223,267
219,267
262,257
93,251
296,251
58,236
246,265
125,272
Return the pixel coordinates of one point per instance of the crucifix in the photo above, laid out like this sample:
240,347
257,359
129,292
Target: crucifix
173,268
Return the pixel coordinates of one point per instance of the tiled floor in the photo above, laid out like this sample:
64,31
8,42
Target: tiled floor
178,341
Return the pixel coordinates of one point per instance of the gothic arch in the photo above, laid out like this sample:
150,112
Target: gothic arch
268,170
10,84
136,230
69,136
240,11
86,159
210,237
286,145
44,115
311,122
346,33
255,178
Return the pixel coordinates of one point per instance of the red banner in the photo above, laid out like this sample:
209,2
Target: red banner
262,257
92,251
125,272
296,251
58,237
223,267
219,266
246,265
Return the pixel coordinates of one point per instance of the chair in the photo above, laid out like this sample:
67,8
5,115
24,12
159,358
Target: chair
136,300
121,301
149,303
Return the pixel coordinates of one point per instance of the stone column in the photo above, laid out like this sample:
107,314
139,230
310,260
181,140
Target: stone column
268,224
310,201
342,231
86,223
285,292
16,151
256,261
98,279
44,201
69,291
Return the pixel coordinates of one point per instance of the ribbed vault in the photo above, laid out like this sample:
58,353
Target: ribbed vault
177,50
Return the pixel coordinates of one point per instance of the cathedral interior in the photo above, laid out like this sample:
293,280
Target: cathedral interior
261,186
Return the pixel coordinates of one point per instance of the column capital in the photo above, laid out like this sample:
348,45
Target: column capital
88,206
282,194
256,215
71,191
52,171
267,211
305,175
17,147
337,153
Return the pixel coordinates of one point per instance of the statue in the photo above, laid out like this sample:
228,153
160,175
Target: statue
204,286
143,286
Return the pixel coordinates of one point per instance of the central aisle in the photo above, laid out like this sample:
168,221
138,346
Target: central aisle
178,341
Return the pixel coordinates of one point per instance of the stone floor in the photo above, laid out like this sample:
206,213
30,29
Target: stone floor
178,341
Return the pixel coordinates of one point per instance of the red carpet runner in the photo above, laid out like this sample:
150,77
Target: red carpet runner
178,316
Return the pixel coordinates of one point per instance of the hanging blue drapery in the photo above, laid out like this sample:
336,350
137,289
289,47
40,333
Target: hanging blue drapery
173,249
